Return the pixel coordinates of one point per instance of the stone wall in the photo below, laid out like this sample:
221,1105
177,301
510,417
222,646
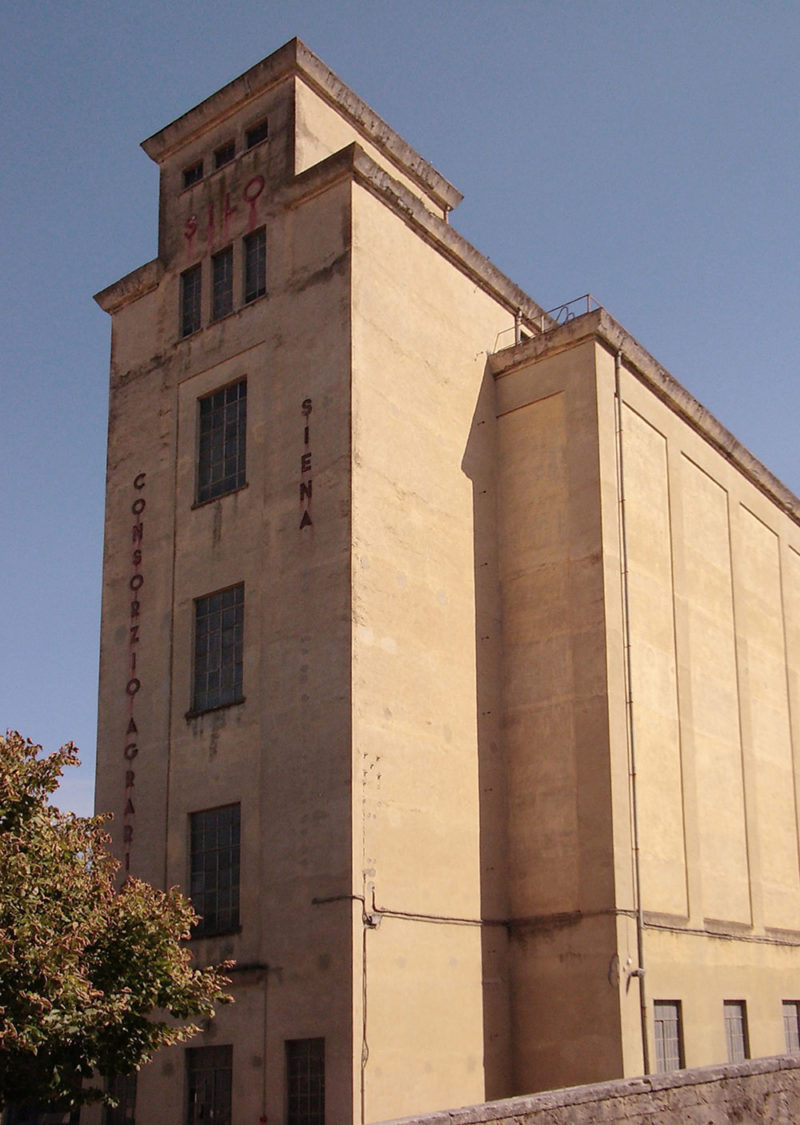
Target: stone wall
759,1090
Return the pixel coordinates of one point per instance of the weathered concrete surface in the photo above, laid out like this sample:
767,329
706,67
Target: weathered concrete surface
759,1090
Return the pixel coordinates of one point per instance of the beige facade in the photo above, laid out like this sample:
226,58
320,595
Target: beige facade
512,751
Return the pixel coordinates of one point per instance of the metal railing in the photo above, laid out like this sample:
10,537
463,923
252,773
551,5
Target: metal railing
525,328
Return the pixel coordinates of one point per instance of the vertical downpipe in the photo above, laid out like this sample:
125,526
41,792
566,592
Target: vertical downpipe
626,620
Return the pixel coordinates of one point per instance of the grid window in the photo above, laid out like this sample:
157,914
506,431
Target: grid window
190,301
735,1013
123,1090
791,1025
255,265
209,1071
193,174
224,154
222,450
256,134
218,643
214,869
222,283
305,1081
669,1034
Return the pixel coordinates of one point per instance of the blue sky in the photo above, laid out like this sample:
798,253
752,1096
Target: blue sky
645,152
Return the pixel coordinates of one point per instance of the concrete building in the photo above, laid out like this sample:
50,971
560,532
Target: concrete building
450,649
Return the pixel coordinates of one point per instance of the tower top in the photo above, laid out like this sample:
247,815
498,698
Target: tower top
294,58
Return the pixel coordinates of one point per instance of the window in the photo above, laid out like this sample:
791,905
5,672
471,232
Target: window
192,174
669,1034
735,1013
224,154
791,1025
222,442
305,1081
255,265
256,134
190,300
123,1088
209,1071
214,869
218,638
222,283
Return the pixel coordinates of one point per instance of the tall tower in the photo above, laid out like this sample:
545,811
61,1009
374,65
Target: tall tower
288,725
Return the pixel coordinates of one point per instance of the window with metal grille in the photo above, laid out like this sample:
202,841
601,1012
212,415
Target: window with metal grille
218,644
222,283
668,1034
193,174
224,154
305,1081
256,134
214,869
209,1071
255,265
123,1090
190,301
735,1014
791,1024
221,455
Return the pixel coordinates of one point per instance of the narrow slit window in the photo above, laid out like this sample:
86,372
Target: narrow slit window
222,283
791,1025
305,1081
736,1039
214,847
191,315
668,1035
255,265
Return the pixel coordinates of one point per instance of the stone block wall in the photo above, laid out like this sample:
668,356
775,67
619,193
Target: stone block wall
759,1090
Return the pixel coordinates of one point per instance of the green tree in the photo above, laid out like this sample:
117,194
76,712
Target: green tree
94,978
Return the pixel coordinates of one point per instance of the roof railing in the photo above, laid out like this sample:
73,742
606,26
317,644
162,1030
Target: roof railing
525,328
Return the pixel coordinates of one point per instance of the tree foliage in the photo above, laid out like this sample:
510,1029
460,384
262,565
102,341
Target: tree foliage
94,978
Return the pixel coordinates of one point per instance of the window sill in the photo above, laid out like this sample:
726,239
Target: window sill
229,932
221,496
210,710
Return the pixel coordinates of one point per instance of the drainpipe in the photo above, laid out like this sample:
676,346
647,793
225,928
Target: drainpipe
639,972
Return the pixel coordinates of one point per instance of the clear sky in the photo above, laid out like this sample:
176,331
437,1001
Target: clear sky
644,151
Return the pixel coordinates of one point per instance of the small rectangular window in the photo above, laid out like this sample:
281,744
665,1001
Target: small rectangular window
224,154
222,445
256,134
209,1071
255,265
305,1081
791,1025
668,1035
735,1014
218,648
190,301
222,283
123,1090
214,874
192,174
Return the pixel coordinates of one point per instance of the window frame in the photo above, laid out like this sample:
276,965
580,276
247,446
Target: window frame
737,1036
192,174
221,449
225,871
222,283
790,1009
253,288
256,134
304,1061
191,301
221,157
668,1016
203,610
218,1060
